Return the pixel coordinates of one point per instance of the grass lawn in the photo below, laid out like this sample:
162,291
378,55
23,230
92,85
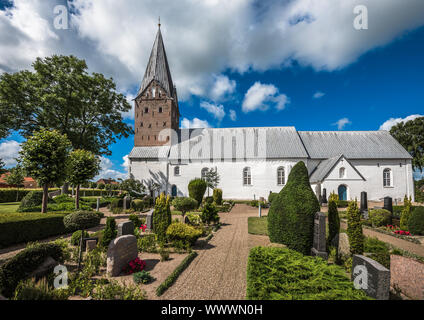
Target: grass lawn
258,226
9,207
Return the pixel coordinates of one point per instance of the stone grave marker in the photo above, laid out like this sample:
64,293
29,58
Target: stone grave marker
320,241
388,204
126,228
371,277
121,251
91,245
98,205
127,203
149,220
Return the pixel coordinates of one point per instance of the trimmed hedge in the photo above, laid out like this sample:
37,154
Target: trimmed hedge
24,263
292,213
81,220
217,196
283,274
272,197
380,217
9,195
416,221
32,199
174,275
354,229
182,232
162,217
333,221
25,227
197,189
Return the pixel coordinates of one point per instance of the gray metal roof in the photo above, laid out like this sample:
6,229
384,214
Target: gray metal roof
158,68
149,153
323,168
239,143
353,145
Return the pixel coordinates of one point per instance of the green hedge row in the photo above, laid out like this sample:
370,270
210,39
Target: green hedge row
174,275
9,195
284,274
25,227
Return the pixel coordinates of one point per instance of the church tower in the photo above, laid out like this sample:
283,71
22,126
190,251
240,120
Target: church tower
156,104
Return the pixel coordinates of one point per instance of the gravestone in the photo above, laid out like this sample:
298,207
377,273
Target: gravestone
121,251
324,196
91,245
126,228
364,202
149,220
388,204
371,277
260,211
85,243
320,241
98,205
127,203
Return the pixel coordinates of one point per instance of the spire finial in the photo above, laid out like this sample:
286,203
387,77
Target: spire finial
159,23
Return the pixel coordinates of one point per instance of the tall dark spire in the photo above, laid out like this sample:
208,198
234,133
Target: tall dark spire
158,68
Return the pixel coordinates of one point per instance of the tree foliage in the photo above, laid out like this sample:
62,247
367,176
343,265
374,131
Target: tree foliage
60,94
411,136
134,187
82,166
2,164
354,229
44,157
185,205
333,220
16,178
197,189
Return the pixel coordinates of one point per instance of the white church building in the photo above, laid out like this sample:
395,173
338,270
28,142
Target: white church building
252,162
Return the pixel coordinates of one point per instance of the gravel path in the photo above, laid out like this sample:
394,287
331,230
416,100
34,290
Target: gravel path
399,243
219,272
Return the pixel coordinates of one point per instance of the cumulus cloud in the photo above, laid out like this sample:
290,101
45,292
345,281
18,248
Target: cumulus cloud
240,35
394,121
222,87
9,152
318,95
262,96
217,111
342,123
194,124
108,172
233,115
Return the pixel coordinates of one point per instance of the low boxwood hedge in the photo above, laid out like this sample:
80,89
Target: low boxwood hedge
283,274
25,227
9,195
81,220
24,263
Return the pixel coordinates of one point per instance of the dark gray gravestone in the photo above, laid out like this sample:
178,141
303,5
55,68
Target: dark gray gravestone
364,201
370,276
127,203
324,196
388,204
149,220
320,241
126,228
98,205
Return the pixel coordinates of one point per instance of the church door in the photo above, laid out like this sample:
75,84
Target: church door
174,191
342,193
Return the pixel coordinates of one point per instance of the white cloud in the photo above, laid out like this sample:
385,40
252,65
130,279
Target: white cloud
194,124
418,175
342,123
318,95
217,111
261,96
9,152
233,115
108,172
240,35
130,114
394,121
222,87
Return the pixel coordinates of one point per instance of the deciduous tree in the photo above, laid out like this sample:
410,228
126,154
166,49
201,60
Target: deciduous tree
16,178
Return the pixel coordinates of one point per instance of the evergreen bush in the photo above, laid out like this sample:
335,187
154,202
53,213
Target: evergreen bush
333,220
197,189
81,220
182,232
406,213
354,229
272,197
109,233
162,217
380,217
76,237
217,196
137,205
416,222
209,214
291,216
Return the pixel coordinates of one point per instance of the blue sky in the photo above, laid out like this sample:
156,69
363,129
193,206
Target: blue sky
279,63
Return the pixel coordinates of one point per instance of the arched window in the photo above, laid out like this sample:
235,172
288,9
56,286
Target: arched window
247,177
342,173
387,178
204,173
177,171
160,110
281,176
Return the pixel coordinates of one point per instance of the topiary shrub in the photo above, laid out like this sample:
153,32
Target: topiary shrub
136,220
272,196
217,196
197,189
334,197
81,220
406,213
181,232
109,233
76,237
185,205
24,263
416,221
32,199
116,203
333,221
354,229
380,217
291,216
137,205
209,214
162,217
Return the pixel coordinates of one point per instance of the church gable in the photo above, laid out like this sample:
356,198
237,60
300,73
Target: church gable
334,169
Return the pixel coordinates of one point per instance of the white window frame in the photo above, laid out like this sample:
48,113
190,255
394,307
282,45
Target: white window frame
281,178
203,173
247,176
177,171
387,181
342,173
